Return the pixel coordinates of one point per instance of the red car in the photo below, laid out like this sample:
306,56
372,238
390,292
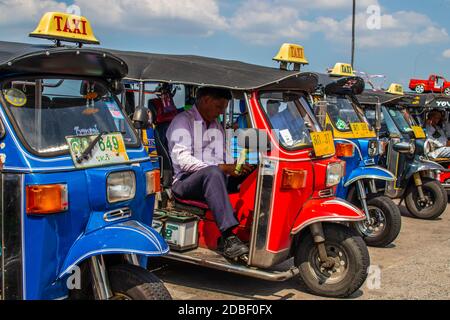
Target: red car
434,83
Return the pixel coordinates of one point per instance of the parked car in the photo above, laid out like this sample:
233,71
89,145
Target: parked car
434,83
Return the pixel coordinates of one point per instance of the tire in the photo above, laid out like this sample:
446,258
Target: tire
420,89
439,197
354,254
387,222
447,91
135,283
127,282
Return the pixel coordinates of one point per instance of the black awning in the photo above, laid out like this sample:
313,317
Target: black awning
340,85
371,97
21,59
203,71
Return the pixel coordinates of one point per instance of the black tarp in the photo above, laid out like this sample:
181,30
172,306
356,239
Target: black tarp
329,84
371,97
20,58
204,71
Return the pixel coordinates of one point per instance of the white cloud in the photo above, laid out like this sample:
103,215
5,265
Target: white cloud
199,17
19,12
446,54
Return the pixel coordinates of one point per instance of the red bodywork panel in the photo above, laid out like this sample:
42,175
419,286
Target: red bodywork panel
292,209
429,84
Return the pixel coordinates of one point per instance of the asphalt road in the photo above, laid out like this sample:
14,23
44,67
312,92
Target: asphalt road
416,266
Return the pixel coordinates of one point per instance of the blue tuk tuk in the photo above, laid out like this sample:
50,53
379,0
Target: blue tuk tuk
77,187
358,145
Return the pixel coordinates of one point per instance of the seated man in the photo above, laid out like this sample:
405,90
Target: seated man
196,143
436,135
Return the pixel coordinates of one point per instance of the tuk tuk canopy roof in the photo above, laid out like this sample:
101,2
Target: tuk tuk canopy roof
329,84
372,97
20,58
204,71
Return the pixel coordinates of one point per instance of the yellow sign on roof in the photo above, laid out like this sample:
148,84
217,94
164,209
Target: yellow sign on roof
65,27
342,70
396,88
292,53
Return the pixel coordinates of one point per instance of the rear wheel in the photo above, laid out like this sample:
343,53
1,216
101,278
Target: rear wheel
351,262
447,91
385,222
420,88
433,205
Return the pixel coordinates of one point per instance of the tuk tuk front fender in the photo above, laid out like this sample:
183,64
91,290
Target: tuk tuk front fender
326,210
130,237
375,172
422,165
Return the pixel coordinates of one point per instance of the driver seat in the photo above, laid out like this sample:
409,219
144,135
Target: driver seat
196,207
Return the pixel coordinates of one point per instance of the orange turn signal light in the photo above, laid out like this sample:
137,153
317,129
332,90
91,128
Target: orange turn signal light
46,199
153,181
345,150
293,179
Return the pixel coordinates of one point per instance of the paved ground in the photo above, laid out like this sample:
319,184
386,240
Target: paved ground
417,266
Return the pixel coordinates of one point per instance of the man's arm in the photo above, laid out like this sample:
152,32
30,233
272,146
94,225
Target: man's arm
180,139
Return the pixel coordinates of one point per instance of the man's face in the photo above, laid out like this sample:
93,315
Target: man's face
211,108
436,118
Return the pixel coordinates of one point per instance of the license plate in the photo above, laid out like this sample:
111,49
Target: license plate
418,132
110,149
323,143
361,130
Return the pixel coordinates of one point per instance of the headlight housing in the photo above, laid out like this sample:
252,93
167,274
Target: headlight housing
412,148
373,148
121,186
335,172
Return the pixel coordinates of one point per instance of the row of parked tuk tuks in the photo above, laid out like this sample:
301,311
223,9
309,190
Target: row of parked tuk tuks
86,174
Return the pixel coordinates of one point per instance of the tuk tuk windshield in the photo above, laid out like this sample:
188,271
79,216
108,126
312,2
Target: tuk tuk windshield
63,108
289,117
343,112
402,119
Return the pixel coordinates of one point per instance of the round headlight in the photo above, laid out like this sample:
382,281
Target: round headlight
412,148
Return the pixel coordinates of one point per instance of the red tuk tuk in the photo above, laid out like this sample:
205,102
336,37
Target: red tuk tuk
287,207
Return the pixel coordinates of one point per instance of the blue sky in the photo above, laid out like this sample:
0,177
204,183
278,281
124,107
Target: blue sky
413,39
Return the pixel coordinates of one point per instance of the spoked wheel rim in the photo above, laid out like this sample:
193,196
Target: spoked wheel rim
430,200
447,91
420,89
332,275
377,224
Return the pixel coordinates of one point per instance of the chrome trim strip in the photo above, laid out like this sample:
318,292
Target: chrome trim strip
118,214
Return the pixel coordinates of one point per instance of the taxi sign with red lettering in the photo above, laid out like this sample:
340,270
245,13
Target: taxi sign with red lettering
342,70
65,27
292,53
323,143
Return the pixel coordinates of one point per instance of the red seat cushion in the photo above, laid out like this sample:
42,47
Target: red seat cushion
193,203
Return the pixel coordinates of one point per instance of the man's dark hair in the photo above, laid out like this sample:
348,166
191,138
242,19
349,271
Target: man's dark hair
215,93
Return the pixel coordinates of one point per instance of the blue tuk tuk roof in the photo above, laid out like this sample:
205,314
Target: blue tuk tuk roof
21,58
204,71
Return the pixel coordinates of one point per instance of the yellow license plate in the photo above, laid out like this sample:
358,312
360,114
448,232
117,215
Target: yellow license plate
418,132
361,130
323,143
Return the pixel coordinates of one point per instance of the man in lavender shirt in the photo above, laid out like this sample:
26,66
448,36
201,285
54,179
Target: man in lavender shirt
196,142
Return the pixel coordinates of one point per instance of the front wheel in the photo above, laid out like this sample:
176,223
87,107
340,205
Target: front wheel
130,282
385,222
420,88
351,262
433,205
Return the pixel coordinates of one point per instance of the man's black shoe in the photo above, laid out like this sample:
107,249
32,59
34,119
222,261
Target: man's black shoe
232,247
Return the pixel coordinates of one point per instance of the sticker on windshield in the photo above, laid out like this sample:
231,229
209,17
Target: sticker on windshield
341,125
15,97
287,137
115,111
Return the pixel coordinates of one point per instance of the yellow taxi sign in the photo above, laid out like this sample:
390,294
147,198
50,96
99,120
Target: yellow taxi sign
323,143
342,70
65,27
292,53
396,88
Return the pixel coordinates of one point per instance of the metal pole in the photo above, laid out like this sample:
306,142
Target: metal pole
353,33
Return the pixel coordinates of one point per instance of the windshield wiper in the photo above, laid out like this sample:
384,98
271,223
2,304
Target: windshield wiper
87,152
